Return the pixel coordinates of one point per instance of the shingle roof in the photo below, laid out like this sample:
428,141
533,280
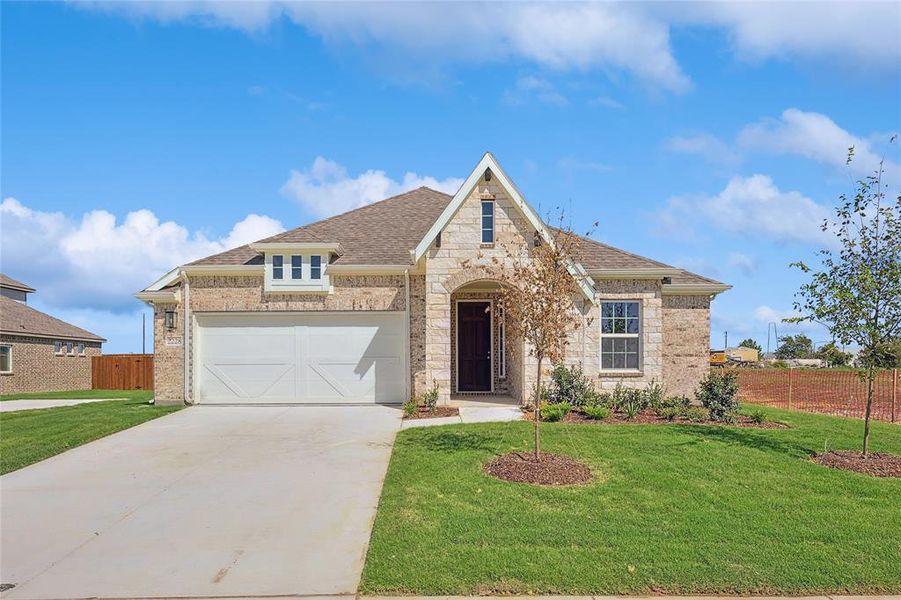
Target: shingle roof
18,318
9,282
383,233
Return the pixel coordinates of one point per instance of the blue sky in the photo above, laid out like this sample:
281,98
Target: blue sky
711,136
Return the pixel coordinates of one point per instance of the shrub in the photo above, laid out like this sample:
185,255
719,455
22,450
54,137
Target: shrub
595,411
718,393
672,404
569,384
430,398
758,416
634,402
696,414
554,411
618,397
409,408
654,393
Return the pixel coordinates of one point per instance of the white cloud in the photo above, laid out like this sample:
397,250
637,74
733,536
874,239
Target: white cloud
97,261
746,264
710,147
748,205
855,33
557,36
325,189
814,136
528,88
606,102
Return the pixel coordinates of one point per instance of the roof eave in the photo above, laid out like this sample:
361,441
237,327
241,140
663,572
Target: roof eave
694,289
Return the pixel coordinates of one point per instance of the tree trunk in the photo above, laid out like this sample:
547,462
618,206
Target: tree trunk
866,420
537,409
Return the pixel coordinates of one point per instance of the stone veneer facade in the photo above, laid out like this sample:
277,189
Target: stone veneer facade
37,368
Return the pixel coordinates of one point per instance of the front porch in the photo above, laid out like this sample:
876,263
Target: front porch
483,400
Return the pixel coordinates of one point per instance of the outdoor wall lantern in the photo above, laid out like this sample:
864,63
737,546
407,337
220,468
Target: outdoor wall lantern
171,319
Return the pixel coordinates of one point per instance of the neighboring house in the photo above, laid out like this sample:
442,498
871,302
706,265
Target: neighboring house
739,354
39,353
376,304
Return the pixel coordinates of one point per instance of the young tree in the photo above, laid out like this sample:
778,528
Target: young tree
833,355
794,346
856,291
537,301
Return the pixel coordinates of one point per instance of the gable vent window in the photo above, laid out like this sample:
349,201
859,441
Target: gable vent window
487,221
315,267
278,267
620,336
296,267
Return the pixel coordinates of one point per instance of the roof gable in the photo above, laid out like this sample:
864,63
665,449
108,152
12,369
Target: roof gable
12,284
20,319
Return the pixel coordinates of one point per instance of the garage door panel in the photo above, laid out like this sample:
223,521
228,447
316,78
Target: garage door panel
311,358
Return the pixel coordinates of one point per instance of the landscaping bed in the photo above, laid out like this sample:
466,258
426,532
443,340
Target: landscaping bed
548,469
423,412
683,509
875,463
650,418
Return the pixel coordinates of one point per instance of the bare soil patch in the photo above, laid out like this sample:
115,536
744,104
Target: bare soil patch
439,411
551,469
875,463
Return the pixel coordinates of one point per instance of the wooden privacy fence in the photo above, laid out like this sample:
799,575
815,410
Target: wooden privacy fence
122,372
827,391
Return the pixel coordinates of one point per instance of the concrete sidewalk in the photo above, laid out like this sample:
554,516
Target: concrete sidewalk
33,404
470,414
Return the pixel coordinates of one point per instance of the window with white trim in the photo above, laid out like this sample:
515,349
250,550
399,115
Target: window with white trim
6,359
621,335
57,347
487,221
70,348
315,267
278,266
80,348
296,266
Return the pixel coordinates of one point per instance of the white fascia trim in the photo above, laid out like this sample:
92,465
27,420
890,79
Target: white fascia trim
223,269
694,289
489,162
44,336
368,269
333,247
654,273
166,280
160,297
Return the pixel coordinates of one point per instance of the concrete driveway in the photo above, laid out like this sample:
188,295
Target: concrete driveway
209,501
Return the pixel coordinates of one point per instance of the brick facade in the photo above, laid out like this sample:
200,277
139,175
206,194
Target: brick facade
686,342
36,368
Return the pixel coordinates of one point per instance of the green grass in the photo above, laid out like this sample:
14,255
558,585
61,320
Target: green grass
82,394
674,509
29,436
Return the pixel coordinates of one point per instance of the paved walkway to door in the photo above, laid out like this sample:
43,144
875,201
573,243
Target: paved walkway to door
208,501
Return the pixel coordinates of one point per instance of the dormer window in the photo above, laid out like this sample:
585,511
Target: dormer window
278,266
487,221
296,267
315,267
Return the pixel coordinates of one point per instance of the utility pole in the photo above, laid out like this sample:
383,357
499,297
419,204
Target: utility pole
726,340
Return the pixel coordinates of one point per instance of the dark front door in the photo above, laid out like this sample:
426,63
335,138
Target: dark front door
474,346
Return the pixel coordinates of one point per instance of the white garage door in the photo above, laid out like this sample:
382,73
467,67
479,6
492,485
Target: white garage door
317,358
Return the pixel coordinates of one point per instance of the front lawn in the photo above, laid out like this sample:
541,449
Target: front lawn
673,509
81,395
29,436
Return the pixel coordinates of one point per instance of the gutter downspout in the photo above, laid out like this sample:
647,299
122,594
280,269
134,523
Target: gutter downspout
187,337
408,386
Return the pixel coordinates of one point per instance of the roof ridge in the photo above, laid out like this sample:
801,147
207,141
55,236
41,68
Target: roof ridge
345,213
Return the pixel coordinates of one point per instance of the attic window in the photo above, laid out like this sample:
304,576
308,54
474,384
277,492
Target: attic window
487,221
278,266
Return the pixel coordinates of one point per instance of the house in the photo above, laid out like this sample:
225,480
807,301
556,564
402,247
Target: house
40,353
737,355
377,304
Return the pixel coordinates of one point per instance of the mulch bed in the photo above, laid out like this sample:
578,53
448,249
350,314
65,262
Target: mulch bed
439,411
649,418
552,469
875,463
